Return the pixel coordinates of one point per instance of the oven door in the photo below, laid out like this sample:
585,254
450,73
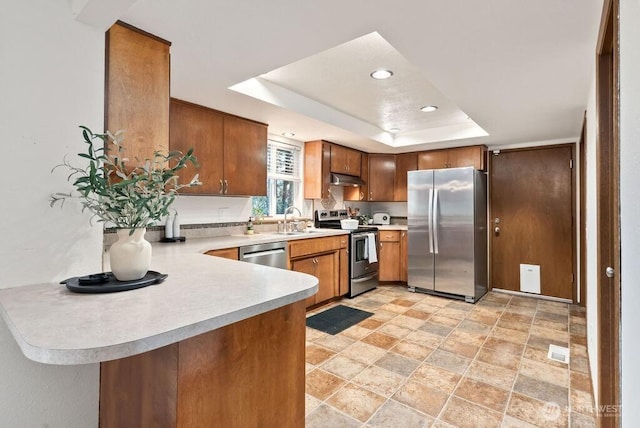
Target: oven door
361,254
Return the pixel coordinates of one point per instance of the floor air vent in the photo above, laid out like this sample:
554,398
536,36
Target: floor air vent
558,353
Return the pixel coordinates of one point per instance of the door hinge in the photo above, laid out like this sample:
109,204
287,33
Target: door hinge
571,163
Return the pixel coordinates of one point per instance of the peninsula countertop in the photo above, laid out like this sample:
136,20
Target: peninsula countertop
202,293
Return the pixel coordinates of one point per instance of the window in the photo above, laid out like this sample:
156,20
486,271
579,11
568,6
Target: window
283,179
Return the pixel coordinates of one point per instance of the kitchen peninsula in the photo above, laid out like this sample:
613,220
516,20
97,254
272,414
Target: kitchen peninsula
218,343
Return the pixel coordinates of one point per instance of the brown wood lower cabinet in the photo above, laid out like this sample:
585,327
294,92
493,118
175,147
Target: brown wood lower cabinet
389,256
227,253
247,374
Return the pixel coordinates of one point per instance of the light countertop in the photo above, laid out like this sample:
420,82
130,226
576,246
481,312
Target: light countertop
391,226
202,293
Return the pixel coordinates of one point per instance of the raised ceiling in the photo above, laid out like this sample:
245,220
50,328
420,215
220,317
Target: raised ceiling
521,70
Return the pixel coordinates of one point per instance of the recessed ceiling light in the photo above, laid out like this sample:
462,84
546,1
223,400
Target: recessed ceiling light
381,74
393,130
428,109
288,134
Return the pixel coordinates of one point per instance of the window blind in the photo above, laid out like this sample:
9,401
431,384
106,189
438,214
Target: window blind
283,161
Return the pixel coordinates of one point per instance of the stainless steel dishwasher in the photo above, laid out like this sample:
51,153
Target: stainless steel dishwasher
274,254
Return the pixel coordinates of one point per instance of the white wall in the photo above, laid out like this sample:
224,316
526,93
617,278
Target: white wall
630,207
51,80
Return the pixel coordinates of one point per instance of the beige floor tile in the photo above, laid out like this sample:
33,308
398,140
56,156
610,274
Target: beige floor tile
380,340
547,333
412,350
317,355
363,352
580,381
543,391
344,367
461,306
414,313
393,414
511,422
370,323
426,307
313,334
462,413
445,320
391,307
543,343
421,397
513,325
310,403
452,313
475,327
449,361
457,347
515,336
467,337
384,316
537,412
578,350
502,345
436,377
424,338
356,332
336,343
577,320
552,325
321,384
579,364
528,302
308,367
522,310
541,356
379,380
326,416
488,318
578,339
407,322
578,329
397,364
581,402
356,402
494,375
582,421
499,358
556,375
435,328
553,316
403,302
511,317
482,394
394,330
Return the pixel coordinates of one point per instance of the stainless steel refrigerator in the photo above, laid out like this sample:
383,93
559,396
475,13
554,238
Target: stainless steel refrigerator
447,223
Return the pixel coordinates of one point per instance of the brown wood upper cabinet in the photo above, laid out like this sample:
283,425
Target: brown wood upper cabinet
359,193
345,160
382,175
227,147
317,169
474,156
137,90
404,162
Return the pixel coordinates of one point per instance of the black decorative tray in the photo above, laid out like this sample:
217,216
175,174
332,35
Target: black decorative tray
176,239
107,283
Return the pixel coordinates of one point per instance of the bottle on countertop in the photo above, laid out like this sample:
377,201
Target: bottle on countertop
168,227
176,226
250,226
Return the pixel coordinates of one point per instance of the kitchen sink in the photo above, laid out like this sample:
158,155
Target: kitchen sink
299,232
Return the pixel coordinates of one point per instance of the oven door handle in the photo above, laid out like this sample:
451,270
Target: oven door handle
366,278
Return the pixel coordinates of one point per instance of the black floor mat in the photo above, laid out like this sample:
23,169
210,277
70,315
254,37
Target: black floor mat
336,319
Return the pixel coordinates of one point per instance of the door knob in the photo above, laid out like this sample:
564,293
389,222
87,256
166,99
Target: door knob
496,230
609,271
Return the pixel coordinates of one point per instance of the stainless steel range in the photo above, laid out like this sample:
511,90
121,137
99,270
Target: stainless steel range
363,255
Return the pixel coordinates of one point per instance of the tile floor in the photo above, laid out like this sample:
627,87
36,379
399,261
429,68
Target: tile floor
424,361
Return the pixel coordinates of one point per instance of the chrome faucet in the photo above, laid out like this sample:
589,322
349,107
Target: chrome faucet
291,208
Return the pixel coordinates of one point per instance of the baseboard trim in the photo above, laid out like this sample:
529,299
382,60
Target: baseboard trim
536,296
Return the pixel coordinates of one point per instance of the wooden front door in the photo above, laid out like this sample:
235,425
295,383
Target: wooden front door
608,235
531,218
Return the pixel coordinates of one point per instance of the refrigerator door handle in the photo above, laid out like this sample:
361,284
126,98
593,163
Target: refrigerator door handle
435,221
430,222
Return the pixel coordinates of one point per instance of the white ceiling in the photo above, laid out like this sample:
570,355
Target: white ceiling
520,69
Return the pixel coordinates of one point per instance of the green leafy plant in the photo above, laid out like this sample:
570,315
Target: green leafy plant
127,197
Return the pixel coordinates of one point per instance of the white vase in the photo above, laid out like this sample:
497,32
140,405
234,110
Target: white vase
130,256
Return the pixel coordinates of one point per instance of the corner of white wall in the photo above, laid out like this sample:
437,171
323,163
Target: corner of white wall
51,81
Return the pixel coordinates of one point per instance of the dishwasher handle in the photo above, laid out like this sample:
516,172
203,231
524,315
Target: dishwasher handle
259,253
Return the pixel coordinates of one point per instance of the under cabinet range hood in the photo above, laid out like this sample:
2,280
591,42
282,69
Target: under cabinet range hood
346,180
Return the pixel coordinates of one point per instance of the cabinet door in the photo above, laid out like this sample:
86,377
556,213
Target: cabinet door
227,253
468,156
307,266
404,256
344,267
433,159
345,160
389,261
404,163
382,174
359,193
137,91
245,157
327,272
317,169
195,126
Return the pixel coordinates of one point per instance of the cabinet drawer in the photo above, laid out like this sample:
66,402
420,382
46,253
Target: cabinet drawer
389,235
304,247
